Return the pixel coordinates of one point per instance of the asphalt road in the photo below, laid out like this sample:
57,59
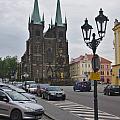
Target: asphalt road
79,106
108,104
43,118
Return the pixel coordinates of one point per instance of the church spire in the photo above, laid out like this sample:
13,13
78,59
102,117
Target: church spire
35,15
58,19
51,22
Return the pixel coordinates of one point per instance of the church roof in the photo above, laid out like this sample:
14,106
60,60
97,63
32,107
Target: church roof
35,15
58,19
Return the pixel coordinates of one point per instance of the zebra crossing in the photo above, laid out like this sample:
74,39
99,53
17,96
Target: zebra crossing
82,111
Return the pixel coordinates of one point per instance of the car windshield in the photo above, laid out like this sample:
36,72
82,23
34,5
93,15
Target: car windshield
30,82
115,86
17,89
33,86
15,96
54,89
44,85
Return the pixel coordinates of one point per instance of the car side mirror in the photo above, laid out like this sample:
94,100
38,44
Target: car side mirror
61,89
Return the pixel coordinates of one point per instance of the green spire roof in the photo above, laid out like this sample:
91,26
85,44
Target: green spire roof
35,15
58,19
43,18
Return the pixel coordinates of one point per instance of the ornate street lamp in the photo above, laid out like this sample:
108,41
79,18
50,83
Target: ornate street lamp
101,23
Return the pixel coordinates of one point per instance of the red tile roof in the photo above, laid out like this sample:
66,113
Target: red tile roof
89,57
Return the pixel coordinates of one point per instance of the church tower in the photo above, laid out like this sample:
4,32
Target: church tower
46,56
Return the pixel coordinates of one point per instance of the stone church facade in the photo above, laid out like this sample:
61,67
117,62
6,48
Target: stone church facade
46,56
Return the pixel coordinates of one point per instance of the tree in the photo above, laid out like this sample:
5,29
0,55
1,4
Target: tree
8,66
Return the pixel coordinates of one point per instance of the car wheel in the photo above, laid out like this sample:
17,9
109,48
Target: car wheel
43,96
63,98
48,97
74,88
16,115
109,93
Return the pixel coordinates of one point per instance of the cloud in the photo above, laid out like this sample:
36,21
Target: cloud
14,20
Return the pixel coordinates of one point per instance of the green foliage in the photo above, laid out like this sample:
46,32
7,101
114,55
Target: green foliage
8,66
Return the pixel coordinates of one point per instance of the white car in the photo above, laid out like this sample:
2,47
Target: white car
32,88
17,107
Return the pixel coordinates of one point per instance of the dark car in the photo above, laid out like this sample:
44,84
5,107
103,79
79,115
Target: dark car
54,93
41,88
82,86
112,90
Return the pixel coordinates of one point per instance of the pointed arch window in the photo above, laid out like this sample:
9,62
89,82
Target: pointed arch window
61,34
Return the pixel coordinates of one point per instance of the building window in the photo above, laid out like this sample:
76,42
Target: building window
107,72
102,66
102,72
82,65
60,34
89,65
107,66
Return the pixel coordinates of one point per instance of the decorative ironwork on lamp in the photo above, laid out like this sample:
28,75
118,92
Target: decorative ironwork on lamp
101,23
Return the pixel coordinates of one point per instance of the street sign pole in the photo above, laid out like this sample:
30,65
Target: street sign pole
96,67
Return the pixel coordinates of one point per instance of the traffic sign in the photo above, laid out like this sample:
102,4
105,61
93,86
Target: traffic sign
95,76
96,63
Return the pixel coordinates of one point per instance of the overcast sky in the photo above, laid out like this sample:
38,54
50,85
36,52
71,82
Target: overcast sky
14,24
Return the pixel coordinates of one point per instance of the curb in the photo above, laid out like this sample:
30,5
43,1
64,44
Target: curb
50,116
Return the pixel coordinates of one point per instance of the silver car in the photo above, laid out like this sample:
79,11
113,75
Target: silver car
17,107
28,95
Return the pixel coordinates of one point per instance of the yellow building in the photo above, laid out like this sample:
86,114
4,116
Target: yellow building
116,67
81,67
116,74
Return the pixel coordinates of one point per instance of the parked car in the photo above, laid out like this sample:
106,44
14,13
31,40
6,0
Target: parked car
28,95
3,85
82,86
18,84
41,88
26,84
32,88
54,93
112,90
16,106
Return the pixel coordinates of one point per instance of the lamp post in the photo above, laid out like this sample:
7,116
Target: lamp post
101,23
25,76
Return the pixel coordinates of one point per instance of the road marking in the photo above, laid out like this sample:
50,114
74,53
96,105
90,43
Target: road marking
83,111
78,108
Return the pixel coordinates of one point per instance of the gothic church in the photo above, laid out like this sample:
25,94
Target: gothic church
46,56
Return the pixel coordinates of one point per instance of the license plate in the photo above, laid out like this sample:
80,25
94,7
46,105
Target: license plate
116,92
58,95
37,117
